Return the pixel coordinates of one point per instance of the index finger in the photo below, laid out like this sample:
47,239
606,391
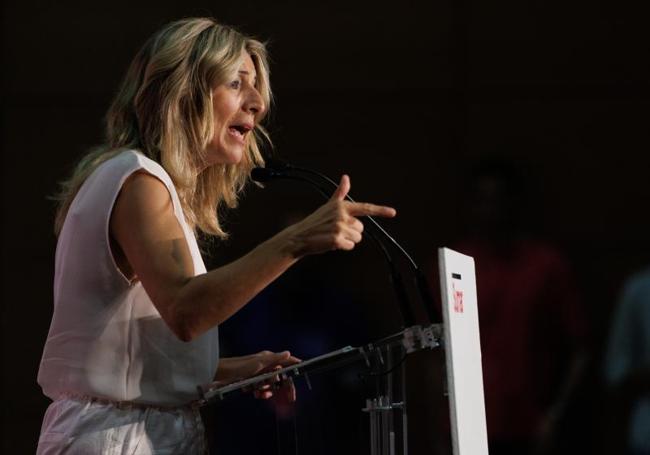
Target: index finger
281,358
290,360
367,209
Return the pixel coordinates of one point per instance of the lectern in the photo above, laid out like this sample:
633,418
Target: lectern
384,358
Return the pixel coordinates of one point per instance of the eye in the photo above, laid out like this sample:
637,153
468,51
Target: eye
236,84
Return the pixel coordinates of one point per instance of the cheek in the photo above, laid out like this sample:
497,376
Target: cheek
224,109
217,124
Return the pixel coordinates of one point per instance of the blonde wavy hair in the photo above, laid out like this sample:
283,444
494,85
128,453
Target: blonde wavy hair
164,109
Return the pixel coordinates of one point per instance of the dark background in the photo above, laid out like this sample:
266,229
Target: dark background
403,96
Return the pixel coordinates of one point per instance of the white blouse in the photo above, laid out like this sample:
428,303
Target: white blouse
106,338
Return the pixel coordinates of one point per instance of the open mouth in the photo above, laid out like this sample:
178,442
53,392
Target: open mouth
239,131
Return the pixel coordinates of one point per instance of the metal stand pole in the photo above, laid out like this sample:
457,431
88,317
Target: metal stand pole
391,399
405,435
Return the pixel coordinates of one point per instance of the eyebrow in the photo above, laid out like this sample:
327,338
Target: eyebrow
248,74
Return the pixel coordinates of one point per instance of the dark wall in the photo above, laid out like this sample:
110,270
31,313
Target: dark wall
403,96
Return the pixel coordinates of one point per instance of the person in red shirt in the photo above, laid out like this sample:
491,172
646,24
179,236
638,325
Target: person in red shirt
531,322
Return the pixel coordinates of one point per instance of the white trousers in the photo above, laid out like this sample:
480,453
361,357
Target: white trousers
88,426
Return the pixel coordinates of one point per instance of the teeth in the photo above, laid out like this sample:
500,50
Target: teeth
236,132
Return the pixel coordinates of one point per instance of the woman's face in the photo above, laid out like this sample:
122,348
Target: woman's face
237,106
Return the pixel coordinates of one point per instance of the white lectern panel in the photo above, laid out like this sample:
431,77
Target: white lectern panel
463,353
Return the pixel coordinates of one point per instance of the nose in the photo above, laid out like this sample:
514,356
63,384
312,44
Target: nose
254,103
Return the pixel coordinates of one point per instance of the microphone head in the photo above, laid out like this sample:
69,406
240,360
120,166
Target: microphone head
261,174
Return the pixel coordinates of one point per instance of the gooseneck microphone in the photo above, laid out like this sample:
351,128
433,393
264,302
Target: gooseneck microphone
420,278
280,170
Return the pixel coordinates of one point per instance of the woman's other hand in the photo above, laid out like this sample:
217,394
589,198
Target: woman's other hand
334,226
233,369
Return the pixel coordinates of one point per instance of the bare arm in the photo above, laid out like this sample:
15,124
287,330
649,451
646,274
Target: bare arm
144,226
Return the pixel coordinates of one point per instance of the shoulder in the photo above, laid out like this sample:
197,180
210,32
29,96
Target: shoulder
143,194
128,161
545,253
138,177
637,287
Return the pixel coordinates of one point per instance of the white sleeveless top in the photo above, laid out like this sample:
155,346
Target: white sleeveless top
106,338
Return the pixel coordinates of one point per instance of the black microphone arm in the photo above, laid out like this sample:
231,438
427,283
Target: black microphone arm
265,174
420,278
280,170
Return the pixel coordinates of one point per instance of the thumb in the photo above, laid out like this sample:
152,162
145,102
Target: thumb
342,190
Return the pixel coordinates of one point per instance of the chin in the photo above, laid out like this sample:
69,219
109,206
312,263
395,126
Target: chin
234,158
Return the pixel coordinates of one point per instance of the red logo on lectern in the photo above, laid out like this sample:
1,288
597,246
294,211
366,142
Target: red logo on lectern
458,300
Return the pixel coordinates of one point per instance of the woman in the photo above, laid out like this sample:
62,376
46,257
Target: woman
134,329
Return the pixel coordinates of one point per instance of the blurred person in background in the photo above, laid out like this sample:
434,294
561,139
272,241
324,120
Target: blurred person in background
532,326
627,363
